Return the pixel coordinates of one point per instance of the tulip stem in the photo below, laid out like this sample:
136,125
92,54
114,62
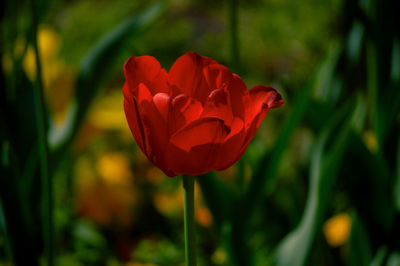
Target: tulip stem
190,240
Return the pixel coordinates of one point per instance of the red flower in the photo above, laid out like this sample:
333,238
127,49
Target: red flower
196,118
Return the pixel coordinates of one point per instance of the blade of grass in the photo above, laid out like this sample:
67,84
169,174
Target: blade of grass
46,181
4,162
397,181
360,247
379,257
15,216
20,238
362,164
379,59
393,259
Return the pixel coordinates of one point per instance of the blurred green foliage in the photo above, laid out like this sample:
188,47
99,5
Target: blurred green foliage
319,185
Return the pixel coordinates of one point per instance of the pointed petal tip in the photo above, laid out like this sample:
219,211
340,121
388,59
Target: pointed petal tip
273,98
276,100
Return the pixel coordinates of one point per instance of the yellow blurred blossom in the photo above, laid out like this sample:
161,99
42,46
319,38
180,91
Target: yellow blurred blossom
337,229
114,169
107,113
7,63
58,81
52,66
19,48
219,257
203,216
169,204
370,140
102,197
154,175
48,42
59,94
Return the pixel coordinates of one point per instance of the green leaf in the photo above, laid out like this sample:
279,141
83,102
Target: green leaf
360,247
361,164
394,259
14,217
325,162
268,166
379,257
355,42
324,89
93,73
397,181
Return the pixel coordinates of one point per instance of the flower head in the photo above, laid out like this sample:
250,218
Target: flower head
196,118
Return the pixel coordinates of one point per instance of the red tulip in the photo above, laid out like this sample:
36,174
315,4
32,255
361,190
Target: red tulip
196,118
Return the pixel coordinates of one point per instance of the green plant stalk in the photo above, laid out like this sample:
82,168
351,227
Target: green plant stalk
190,237
234,37
47,193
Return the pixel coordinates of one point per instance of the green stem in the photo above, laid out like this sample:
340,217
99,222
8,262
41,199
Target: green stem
47,193
190,240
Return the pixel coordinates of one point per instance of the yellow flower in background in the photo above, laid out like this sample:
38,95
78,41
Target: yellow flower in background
171,204
107,113
19,49
49,42
337,229
203,216
114,169
370,140
105,193
49,46
219,257
58,81
154,175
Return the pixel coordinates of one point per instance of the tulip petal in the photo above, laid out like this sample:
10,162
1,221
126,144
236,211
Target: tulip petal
184,110
193,150
217,76
200,160
239,94
230,150
186,76
134,121
146,70
202,131
162,101
218,105
272,99
143,94
261,99
154,126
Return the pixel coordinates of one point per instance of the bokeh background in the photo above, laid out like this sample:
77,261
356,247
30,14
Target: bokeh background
318,185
